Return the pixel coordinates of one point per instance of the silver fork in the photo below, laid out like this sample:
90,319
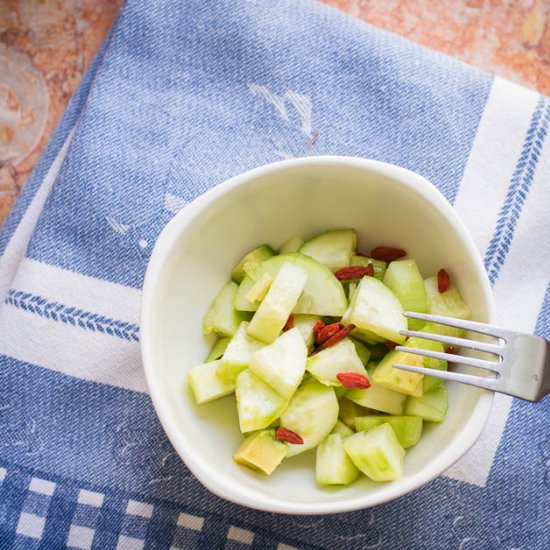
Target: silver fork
522,361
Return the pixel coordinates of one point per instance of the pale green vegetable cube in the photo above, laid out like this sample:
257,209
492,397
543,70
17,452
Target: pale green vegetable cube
333,360
261,452
377,453
333,466
408,429
333,248
292,245
282,364
432,406
311,413
205,384
257,255
222,318
276,307
258,405
238,354
375,309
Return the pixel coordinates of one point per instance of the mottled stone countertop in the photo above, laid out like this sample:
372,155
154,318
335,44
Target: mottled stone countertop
46,45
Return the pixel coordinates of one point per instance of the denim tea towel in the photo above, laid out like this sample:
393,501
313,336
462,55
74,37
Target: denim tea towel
182,96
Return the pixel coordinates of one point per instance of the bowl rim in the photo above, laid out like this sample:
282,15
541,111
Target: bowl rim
471,431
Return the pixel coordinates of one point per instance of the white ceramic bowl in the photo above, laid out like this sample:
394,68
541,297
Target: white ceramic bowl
192,259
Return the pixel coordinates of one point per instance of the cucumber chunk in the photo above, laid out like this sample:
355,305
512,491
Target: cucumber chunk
375,308
432,406
403,278
341,357
292,245
205,384
362,351
271,316
430,382
261,452
378,397
341,429
238,354
303,415
259,254
378,265
447,304
333,248
260,288
409,383
349,410
377,453
332,465
283,363
218,349
408,429
322,295
221,318
258,405
305,324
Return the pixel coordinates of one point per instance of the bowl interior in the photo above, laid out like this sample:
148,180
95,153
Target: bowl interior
193,259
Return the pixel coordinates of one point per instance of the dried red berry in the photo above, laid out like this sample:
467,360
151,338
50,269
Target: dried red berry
443,281
326,332
289,323
451,349
387,253
354,272
283,434
317,327
390,344
353,380
340,335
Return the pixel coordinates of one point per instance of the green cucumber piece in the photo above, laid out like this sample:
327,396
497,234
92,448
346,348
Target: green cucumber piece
403,278
332,464
351,288
331,361
260,289
257,255
238,354
341,429
218,349
377,351
258,405
205,384
447,304
375,308
409,383
261,452
430,382
378,397
311,413
273,313
377,453
378,265
333,248
282,364
322,295
408,429
340,391
221,318
362,351
292,245
305,324
432,406
349,410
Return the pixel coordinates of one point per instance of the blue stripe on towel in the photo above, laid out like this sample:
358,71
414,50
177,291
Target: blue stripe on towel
518,190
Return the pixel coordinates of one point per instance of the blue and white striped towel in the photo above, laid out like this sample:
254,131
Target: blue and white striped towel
182,96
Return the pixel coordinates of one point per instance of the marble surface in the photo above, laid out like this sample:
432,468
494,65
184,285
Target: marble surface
46,45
